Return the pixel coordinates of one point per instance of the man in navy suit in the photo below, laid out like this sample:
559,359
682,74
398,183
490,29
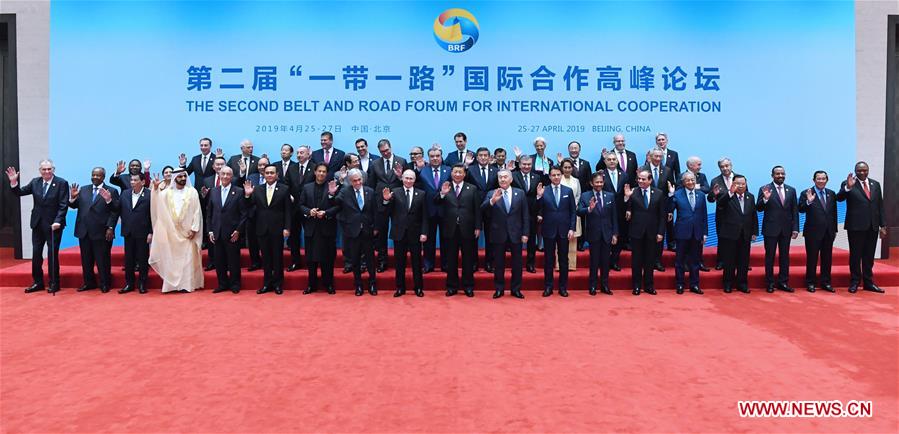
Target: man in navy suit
461,154
97,206
201,164
430,178
273,211
137,229
48,219
646,211
483,176
406,208
357,214
694,164
385,172
627,162
226,217
328,154
525,179
739,226
255,179
864,222
690,229
613,181
779,225
121,179
819,205
509,228
245,163
460,225
208,184
599,210
662,175
558,206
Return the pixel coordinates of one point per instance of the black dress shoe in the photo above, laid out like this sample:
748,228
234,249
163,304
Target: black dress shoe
83,288
359,291
770,289
605,290
34,288
615,267
219,289
744,289
235,290
278,290
363,269
680,289
104,289
489,268
592,290
853,288
209,267
531,269
695,290
331,290
547,292
450,292
727,289
719,267
785,288
292,268
142,288
828,288
254,267
427,270
419,292
262,290
381,268
469,292
126,289
372,289
347,270
810,288
498,293
308,290
874,288
563,292
704,269
651,291
659,267
53,289
399,293
636,291
517,294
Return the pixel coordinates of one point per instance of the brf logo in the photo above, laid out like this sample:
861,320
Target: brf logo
456,30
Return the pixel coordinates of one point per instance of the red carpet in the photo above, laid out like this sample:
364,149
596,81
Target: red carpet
70,272
95,362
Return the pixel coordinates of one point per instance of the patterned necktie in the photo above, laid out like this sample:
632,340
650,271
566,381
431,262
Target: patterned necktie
780,192
622,160
527,182
46,187
436,177
740,200
692,200
508,201
359,199
269,192
655,176
94,197
823,198
327,156
203,164
458,190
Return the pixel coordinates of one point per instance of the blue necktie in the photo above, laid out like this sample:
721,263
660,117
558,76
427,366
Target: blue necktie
556,193
508,201
224,196
94,196
692,200
46,187
823,198
359,199
646,197
655,176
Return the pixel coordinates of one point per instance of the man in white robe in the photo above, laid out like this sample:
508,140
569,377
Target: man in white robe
177,220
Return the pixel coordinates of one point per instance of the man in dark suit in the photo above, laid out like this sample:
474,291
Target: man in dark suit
461,154
366,159
819,205
328,154
646,211
405,207
273,211
201,164
209,183
430,178
97,206
739,228
289,175
694,165
599,210
864,222
320,228
256,179
558,206
385,172
662,177
483,176
724,182
48,219
509,228
303,175
245,163
525,179
137,230
122,179
357,215
460,224
779,225
582,171
627,162
226,218
690,229
613,181
669,158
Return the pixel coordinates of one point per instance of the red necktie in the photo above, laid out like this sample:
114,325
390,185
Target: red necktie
218,182
865,187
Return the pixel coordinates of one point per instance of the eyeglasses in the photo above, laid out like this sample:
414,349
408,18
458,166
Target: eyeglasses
416,153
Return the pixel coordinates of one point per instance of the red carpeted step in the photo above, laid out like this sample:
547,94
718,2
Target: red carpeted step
72,256
885,275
